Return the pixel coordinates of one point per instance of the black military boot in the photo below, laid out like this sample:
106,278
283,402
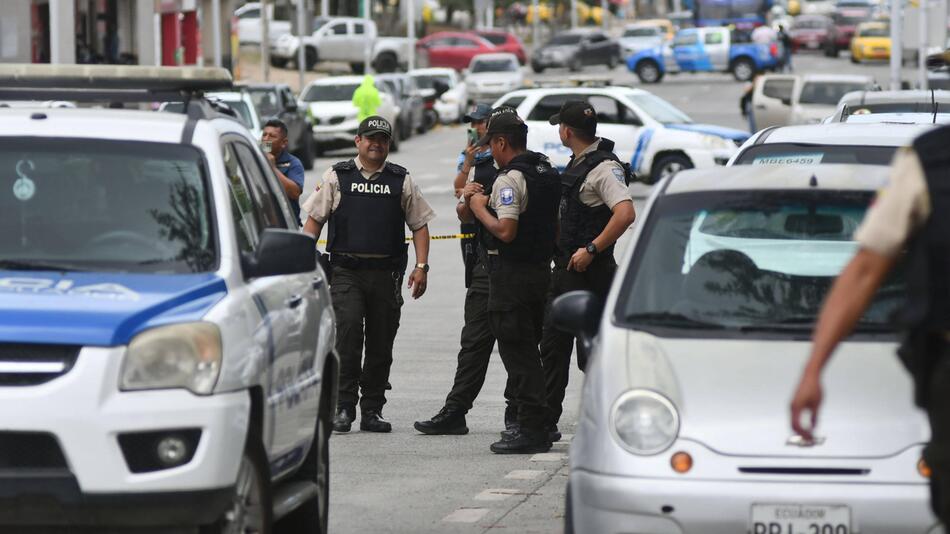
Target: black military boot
523,442
372,421
447,422
343,420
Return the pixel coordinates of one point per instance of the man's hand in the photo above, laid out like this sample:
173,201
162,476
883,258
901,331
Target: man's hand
478,202
470,152
417,282
470,189
271,159
807,399
580,261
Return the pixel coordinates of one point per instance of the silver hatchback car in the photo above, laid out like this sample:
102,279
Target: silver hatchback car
684,418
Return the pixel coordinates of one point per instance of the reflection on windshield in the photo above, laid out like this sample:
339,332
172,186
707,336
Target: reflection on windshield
798,154
641,32
494,65
747,260
265,101
330,93
105,205
660,109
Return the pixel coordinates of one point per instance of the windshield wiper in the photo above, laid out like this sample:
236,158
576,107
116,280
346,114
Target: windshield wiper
39,265
675,320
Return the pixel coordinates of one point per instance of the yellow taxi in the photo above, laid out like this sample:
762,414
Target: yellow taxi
872,40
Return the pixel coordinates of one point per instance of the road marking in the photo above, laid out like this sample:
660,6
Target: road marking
498,494
466,515
524,474
548,457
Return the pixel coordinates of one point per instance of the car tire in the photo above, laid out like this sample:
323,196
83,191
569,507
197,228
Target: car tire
278,62
612,62
743,69
252,493
648,71
306,150
394,144
386,62
854,59
538,69
575,65
357,68
310,58
312,516
568,511
670,164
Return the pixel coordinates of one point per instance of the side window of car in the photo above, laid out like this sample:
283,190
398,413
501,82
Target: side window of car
465,43
630,117
246,220
779,89
608,109
513,102
339,29
263,198
714,38
359,28
251,14
549,105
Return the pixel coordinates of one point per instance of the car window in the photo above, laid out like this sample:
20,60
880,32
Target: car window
494,65
494,38
713,38
874,32
549,105
266,101
251,14
813,154
338,29
607,109
263,198
598,38
513,101
247,220
641,32
686,39
329,93
780,89
747,261
463,42
827,93
289,98
359,28
443,41
564,39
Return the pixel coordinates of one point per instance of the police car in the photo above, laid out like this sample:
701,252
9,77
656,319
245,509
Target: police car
166,335
655,137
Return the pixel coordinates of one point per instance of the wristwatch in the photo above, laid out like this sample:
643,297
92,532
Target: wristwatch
424,267
591,248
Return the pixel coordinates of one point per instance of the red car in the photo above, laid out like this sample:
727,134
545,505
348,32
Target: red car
451,49
809,32
504,42
845,19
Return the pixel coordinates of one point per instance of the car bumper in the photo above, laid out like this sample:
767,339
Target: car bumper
448,111
550,62
85,413
614,504
337,133
281,52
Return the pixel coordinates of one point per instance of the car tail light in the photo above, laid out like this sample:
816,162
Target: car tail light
681,462
923,469
773,49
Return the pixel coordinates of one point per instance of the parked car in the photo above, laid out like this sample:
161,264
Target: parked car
489,76
809,32
693,358
892,106
872,40
817,7
409,102
637,37
157,296
344,40
249,23
333,115
453,50
781,99
667,25
450,106
239,102
504,42
276,100
846,18
655,137
576,49
708,49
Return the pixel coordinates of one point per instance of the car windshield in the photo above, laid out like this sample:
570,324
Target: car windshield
641,32
565,39
874,32
330,93
494,38
813,154
659,109
427,81
494,65
828,93
747,261
265,100
78,204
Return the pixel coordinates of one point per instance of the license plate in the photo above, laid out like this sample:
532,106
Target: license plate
800,519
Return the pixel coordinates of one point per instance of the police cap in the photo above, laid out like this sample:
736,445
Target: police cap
374,125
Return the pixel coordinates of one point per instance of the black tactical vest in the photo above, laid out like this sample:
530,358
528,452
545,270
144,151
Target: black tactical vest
485,174
580,223
369,218
537,225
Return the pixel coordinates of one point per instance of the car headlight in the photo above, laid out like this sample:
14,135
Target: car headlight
644,422
715,142
184,355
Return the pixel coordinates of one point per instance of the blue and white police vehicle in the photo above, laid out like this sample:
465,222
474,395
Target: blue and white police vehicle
166,334
710,49
654,136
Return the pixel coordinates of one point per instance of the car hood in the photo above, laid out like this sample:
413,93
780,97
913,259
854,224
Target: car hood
711,129
97,308
331,109
733,395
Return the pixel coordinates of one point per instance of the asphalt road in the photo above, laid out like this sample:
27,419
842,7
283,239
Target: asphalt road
407,482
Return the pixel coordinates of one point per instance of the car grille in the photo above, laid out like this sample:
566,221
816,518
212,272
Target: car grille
25,364
30,450
813,471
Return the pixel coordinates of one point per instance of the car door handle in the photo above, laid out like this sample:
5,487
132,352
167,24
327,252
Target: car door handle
316,283
294,301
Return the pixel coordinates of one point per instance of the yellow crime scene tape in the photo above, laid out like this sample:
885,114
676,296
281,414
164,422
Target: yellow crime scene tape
431,237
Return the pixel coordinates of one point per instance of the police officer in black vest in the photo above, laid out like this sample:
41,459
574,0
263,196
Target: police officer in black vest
476,174
912,213
596,209
518,226
368,203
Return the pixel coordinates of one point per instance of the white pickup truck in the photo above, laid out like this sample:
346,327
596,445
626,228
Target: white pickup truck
344,40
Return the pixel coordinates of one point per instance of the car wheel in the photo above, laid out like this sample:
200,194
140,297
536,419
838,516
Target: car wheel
357,68
538,69
311,517
386,62
575,64
648,71
670,164
251,509
568,511
306,150
612,62
278,62
743,69
394,144
310,58
854,59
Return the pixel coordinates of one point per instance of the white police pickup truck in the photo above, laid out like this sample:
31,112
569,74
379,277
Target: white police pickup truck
166,335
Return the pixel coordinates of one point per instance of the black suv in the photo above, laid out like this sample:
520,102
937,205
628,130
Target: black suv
274,100
576,48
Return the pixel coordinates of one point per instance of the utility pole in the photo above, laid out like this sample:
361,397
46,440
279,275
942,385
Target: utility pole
604,15
535,29
302,30
216,31
411,32
367,41
265,41
573,14
325,8
897,44
490,16
923,10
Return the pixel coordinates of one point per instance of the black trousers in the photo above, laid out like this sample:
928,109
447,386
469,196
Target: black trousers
516,299
557,345
937,452
477,342
372,298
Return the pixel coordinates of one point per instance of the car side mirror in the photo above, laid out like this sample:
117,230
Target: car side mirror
578,313
281,252
291,106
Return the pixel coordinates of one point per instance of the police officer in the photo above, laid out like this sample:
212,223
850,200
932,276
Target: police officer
476,174
367,202
596,209
517,225
285,165
912,212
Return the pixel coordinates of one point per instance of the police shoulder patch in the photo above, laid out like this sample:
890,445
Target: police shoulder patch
507,196
619,175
